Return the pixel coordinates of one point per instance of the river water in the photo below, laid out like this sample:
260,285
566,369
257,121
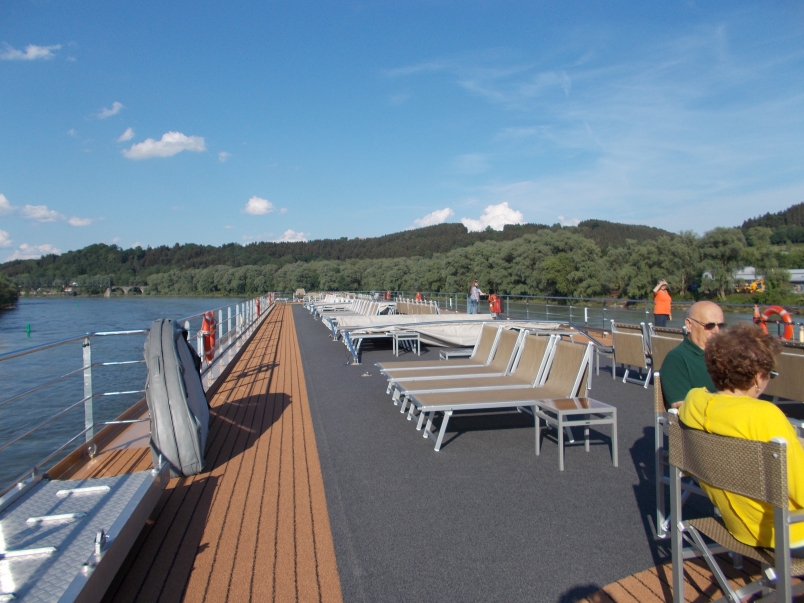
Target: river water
53,319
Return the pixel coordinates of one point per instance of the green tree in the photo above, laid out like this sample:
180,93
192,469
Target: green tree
721,253
8,293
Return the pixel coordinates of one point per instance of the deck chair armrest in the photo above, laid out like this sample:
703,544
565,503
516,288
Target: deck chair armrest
796,516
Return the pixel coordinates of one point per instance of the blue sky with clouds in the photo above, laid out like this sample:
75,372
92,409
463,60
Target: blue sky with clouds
213,122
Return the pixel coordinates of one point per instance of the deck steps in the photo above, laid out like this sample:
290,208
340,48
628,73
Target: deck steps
254,526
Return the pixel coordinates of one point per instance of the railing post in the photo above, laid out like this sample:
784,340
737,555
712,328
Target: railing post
89,414
229,321
220,329
527,310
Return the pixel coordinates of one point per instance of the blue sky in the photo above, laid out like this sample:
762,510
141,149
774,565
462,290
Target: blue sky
213,122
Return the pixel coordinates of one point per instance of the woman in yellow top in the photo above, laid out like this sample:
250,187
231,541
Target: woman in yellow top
741,361
662,303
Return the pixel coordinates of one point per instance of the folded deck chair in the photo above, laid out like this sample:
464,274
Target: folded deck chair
482,354
535,356
630,350
569,371
503,362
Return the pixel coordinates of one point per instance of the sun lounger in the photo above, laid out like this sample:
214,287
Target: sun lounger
569,370
536,356
502,363
482,354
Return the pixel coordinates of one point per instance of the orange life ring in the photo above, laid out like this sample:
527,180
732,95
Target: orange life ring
784,315
418,296
208,329
495,304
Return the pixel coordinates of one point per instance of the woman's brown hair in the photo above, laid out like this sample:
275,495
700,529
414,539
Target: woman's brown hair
736,356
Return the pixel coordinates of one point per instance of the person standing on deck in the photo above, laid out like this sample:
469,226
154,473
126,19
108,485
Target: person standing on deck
661,304
684,367
474,298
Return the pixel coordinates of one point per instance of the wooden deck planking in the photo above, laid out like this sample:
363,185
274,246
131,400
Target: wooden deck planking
254,526
654,584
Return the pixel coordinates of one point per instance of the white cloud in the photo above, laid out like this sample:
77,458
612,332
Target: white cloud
32,252
76,221
283,210
72,132
104,113
170,144
291,236
127,135
137,244
570,222
223,156
228,227
496,216
5,206
257,206
437,217
5,239
40,213
32,52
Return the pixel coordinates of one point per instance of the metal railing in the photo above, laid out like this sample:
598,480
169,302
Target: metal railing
232,326
595,312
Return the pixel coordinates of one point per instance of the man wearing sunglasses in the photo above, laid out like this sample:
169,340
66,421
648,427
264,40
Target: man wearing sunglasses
684,368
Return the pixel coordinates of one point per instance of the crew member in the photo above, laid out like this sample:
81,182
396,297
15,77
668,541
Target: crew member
662,302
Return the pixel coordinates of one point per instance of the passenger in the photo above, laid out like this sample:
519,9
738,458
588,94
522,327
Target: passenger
741,362
474,298
684,367
662,304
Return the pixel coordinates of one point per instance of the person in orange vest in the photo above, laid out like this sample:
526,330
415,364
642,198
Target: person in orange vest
661,304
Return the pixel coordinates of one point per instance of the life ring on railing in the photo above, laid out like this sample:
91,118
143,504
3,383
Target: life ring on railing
208,329
418,296
784,315
495,304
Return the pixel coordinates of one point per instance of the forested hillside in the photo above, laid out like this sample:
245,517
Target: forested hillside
787,226
136,265
596,258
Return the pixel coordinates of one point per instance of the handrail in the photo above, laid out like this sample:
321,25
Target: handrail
246,318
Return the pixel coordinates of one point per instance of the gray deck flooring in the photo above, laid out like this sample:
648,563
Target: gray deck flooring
484,519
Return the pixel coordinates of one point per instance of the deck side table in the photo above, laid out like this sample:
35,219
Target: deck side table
574,412
411,336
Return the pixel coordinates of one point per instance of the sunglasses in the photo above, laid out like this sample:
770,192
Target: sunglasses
773,374
710,326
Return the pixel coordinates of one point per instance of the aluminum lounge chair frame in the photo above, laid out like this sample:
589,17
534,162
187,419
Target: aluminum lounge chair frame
631,350
567,380
754,469
482,353
688,487
503,362
512,379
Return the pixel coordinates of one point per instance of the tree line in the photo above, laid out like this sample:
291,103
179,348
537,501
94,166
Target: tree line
557,262
135,266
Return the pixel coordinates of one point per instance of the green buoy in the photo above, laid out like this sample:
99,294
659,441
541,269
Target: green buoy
28,329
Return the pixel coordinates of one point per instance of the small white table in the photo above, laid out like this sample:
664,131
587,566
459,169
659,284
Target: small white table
411,336
561,412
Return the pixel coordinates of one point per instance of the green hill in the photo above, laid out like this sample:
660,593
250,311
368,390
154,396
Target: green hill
787,225
135,265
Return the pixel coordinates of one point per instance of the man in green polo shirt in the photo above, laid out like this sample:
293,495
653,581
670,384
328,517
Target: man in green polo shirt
684,368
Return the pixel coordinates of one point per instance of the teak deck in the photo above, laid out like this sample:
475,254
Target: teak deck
254,526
